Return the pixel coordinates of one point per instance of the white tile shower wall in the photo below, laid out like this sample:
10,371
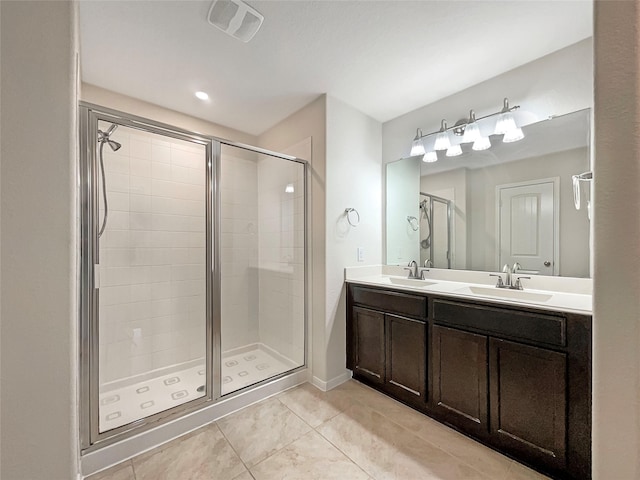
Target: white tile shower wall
239,248
281,272
152,256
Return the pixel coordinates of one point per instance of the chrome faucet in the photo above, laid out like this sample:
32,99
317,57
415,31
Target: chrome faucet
428,262
508,277
413,269
508,271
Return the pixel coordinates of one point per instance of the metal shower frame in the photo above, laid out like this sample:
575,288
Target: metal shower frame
448,203
89,115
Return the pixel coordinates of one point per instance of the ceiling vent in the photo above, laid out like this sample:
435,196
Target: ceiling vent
235,18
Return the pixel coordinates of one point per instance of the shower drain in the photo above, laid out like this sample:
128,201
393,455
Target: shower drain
200,389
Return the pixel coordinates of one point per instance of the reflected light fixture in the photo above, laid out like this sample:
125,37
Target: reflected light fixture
481,143
417,148
289,188
454,151
202,95
442,139
513,135
430,157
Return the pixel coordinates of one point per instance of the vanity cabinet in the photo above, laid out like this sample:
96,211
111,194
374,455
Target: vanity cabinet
387,343
460,378
515,378
368,344
406,358
528,399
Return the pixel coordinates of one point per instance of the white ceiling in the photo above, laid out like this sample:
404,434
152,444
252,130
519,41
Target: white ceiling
385,58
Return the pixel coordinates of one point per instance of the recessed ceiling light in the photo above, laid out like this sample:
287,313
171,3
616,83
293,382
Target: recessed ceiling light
202,95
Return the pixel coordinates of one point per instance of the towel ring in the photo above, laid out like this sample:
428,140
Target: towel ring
413,221
347,212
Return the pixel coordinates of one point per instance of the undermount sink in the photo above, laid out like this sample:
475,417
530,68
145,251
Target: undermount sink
506,293
410,282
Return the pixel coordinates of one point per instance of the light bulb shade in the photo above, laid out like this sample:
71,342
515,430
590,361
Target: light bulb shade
482,143
513,135
442,141
454,151
417,148
506,123
430,157
471,133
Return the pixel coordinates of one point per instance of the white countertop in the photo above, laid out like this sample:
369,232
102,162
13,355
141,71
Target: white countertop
563,294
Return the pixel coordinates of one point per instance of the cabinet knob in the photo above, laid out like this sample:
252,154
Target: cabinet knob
547,263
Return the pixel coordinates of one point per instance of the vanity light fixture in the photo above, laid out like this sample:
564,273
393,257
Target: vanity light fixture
417,148
506,125
442,139
202,95
469,130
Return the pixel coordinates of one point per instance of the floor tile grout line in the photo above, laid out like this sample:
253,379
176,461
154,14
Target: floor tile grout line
447,452
340,450
278,450
456,457
232,448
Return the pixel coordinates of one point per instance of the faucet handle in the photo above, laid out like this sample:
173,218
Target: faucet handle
500,282
422,270
518,284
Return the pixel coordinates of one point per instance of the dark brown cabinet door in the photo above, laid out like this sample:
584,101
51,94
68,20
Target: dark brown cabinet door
460,378
368,338
406,358
529,402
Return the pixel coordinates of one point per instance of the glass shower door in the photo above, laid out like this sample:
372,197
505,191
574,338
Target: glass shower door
262,260
151,273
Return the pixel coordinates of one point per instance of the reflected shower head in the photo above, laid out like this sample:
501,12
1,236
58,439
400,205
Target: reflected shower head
114,145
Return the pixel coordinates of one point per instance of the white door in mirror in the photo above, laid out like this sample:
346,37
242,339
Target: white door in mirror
527,227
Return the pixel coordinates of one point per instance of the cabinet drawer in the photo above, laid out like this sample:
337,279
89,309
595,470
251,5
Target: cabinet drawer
547,329
393,302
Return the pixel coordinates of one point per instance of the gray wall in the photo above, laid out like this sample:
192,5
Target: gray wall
38,237
616,228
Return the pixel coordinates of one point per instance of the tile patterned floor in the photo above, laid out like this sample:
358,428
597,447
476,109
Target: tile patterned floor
349,433
239,370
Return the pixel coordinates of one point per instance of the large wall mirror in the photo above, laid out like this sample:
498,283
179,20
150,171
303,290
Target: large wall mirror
515,202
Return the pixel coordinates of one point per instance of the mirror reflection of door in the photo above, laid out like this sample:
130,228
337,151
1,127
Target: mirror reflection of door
527,226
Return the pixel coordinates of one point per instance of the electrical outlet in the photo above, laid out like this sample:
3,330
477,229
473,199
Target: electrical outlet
361,254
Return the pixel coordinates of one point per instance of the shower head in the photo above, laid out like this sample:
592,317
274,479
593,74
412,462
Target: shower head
103,137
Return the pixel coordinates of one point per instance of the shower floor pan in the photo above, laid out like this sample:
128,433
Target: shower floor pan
241,367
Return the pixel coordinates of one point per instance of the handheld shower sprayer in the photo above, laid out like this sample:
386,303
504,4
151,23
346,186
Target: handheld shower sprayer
103,137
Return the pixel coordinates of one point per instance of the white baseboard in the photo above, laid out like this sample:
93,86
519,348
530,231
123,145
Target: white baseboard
333,383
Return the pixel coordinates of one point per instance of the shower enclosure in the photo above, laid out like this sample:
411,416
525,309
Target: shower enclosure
193,271
435,230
